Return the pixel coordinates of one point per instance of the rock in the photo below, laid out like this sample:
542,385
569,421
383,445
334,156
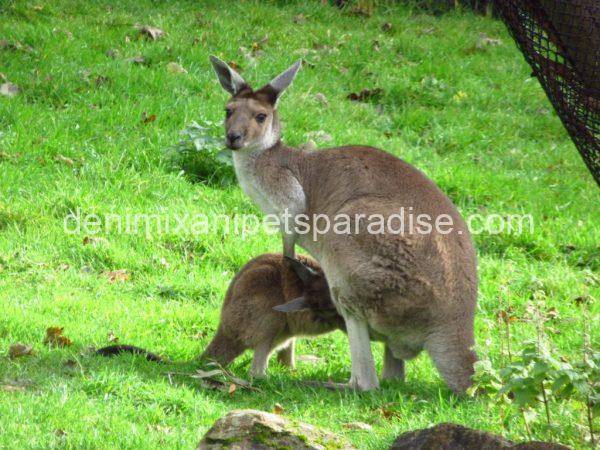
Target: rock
248,429
449,436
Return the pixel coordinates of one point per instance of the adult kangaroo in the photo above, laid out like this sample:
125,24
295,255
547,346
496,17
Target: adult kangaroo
412,288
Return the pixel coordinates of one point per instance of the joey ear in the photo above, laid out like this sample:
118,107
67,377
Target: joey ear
298,304
231,81
304,272
281,82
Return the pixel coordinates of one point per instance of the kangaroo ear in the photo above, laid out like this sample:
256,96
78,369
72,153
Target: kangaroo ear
231,81
298,304
281,82
305,273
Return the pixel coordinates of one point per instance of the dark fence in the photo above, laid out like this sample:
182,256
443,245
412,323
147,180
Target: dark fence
561,41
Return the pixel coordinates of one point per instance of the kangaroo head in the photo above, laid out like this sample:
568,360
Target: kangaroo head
251,116
315,291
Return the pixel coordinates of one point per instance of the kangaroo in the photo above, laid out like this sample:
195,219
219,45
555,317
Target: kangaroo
269,302
414,289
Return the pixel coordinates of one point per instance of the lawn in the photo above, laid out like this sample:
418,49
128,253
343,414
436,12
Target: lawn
90,131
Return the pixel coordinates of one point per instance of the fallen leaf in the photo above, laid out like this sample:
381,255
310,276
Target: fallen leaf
112,53
358,426
365,94
160,428
150,32
386,27
148,118
376,46
55,337
64,159
121,275
18,350
94,241
9,89
485,40
139,60
459,96
174,67
320,97
112,337
38,7
388,413
299,18
232,388
100,80
235,66
278,409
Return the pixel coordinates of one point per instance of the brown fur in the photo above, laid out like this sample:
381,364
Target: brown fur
248,320
414,291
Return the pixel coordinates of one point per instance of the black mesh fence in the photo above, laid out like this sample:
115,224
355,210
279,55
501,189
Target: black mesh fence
561,41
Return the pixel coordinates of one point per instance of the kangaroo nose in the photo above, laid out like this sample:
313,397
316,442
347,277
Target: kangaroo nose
233,137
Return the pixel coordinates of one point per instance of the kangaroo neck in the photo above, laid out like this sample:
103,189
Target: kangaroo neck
267,176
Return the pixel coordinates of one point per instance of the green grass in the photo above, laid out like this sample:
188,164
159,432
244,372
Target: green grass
497,149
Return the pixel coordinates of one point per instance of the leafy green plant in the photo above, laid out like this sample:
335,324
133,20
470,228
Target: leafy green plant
536,379
200,155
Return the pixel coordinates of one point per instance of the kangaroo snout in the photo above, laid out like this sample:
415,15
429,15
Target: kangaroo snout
234,140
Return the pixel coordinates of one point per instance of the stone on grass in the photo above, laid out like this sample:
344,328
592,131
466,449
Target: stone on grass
248,429
450,436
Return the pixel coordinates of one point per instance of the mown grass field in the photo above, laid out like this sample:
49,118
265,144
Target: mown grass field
80,134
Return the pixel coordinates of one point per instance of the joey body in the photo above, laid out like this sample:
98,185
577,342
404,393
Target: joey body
414,291
249,320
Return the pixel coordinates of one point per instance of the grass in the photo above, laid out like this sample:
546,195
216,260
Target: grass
472,119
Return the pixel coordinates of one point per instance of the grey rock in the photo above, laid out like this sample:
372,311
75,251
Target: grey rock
248,429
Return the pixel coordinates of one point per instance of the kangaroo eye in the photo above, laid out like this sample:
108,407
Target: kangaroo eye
260,118
228,112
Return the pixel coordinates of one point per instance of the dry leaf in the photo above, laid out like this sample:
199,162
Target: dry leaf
150,32
235,66
365,94
112,53
64,159
299,18
94,241
232,388
9,89
278,409
174,67
140,60
148,118
358,426
54,337
118,275
18,350
320,97
112,337
160,429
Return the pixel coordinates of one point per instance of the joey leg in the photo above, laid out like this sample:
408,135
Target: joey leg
260,360
286,355
393,368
